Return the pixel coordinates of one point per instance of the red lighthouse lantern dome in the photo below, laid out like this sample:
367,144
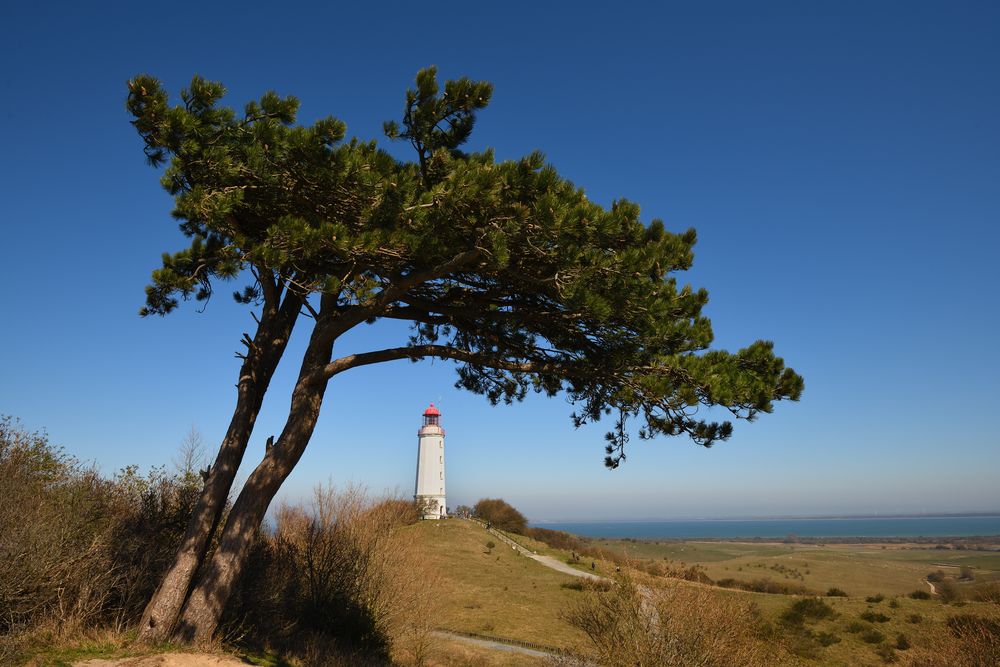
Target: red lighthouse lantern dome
432,416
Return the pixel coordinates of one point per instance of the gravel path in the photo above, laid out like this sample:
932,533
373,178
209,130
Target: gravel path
547,561
498,646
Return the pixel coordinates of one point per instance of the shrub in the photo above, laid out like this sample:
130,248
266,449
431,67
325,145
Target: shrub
914,618
836,593
874,617
988,592
490,546
920,595
872,636
971,640
886,652
557,539
765,585
827,639
936,576
857,626
675,626
894,603
902,642
77,548
966,573
948,591
807,609
339,571
875,599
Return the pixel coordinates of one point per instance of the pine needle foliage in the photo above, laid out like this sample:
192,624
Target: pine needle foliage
502,266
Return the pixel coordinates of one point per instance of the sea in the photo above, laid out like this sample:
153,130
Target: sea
909,526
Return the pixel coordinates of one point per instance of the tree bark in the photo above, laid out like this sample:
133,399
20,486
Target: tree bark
262,357
203,610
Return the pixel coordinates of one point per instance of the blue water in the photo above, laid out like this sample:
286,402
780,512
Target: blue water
930,526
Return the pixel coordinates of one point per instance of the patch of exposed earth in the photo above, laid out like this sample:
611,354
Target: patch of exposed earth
167,660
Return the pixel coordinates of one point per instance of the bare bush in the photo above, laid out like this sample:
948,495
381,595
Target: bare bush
970,640
339,571
679,625
78,550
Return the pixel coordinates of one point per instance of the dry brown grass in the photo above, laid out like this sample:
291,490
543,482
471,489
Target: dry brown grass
677,625
971,640
339,576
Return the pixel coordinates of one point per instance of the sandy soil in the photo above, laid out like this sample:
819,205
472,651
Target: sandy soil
167,660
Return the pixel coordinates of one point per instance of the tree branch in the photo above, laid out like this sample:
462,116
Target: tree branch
440,352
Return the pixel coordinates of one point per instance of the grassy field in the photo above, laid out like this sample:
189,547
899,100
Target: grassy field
860,570
498,592
495,591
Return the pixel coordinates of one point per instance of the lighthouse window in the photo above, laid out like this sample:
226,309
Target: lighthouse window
440,459
440,475
441,444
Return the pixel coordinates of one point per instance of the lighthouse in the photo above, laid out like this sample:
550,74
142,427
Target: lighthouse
429,492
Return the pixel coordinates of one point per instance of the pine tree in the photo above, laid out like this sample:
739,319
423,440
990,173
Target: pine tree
503,267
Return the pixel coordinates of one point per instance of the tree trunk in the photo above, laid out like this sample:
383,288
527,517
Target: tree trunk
203,610
263,355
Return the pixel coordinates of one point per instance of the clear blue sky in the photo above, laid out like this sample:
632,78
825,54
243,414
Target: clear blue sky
840,161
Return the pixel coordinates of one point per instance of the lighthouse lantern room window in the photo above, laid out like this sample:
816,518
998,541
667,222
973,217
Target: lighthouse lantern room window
432,417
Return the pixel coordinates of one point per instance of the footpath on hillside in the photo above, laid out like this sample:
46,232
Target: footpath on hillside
547,561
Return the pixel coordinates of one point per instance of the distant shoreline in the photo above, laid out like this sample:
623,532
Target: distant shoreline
864,527
778,517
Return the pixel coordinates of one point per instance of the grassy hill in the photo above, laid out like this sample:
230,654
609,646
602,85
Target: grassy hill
495,591
498,592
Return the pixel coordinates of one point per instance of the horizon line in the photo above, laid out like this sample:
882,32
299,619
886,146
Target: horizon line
780,517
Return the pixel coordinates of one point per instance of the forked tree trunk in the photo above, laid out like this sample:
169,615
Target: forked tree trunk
263,355
203,610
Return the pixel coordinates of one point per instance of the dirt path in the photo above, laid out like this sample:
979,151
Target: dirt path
933,588
494,645
547,561
167,660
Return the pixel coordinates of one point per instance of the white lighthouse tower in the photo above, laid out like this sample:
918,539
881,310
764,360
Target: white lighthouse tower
429,492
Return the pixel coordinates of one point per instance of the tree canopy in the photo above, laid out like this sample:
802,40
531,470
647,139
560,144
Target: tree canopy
503,266
501,515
